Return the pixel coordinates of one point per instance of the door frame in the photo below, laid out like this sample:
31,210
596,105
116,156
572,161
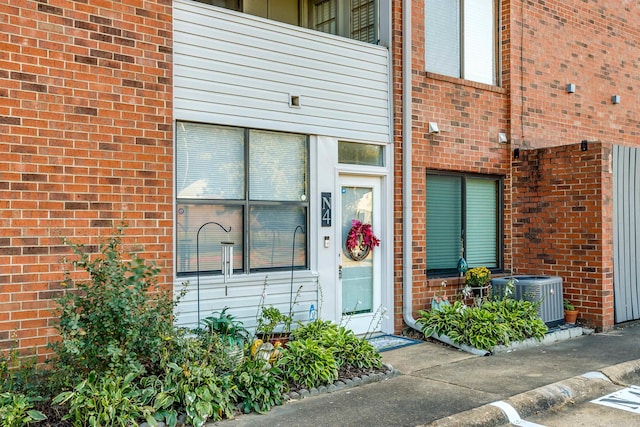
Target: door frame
376,320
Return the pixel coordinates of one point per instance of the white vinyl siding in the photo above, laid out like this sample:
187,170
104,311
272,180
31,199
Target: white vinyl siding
236,69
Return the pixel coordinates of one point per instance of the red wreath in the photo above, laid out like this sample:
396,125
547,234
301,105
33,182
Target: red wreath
360,237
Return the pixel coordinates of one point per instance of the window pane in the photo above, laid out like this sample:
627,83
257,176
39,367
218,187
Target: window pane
271,232
354,153
278,166
442,36
444,194
363,20
189,219
482,222
323,16
209,162
479,42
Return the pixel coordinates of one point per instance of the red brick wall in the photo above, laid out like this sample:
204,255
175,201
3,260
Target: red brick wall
592,44
470,116
563,224
544,46
85,143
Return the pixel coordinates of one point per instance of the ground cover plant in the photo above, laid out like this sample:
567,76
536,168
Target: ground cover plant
485,324
121,361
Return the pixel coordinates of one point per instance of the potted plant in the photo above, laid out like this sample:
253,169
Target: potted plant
570,312
273,325
477,279
230,330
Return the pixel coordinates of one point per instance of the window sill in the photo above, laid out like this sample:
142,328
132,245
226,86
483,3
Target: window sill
457,80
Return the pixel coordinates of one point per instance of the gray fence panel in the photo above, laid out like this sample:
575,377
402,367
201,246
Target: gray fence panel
626,214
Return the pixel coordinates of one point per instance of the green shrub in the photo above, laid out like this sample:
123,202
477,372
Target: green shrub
348,349
16,410
307,363
259,385
118,320
231,330
104,401
493,323
200,392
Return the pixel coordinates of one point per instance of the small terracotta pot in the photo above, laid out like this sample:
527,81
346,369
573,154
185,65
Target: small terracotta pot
570,316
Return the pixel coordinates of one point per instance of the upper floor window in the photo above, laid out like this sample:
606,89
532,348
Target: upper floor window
461,39
252,181
463,218
355,19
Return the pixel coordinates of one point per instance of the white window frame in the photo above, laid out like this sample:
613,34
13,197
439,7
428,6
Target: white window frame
246,203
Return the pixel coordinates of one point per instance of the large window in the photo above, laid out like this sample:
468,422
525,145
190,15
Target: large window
463,218
461,39
252,181
355,19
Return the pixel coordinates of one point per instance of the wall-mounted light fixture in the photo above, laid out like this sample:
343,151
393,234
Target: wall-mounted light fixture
502,137
516,153
615,99
433,128
584,145
571,88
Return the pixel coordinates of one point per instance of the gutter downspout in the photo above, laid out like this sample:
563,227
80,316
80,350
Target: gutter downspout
407,163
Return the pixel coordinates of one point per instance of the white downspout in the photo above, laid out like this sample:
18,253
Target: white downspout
407,163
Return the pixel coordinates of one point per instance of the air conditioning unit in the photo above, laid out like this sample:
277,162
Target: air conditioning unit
547,289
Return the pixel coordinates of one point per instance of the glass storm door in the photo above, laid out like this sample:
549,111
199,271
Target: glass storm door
360,278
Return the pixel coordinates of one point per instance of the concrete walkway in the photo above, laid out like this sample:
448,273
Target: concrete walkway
438,385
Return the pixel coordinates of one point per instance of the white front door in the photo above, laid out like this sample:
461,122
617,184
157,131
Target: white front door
360,280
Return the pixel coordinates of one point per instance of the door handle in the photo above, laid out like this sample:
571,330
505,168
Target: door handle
340,272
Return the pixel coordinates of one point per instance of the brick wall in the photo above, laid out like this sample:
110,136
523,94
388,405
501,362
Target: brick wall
85,143
470,116
563,224
592,44
543,46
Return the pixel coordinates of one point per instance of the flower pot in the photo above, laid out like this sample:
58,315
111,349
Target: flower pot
570,316
236,355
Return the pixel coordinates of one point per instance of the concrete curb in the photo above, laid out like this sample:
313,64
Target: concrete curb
574,390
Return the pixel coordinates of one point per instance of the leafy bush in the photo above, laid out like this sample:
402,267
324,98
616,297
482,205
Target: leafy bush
307,363
118,320
348,349
493,323
122,361
231,330
107,401
16,410
200,392
259,385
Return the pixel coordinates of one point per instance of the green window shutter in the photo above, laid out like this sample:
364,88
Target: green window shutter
444,195
481,219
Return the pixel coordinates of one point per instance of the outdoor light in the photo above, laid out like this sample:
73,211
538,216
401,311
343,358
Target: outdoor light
516,153
502,137
433,128
615,99
583,145
571,88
